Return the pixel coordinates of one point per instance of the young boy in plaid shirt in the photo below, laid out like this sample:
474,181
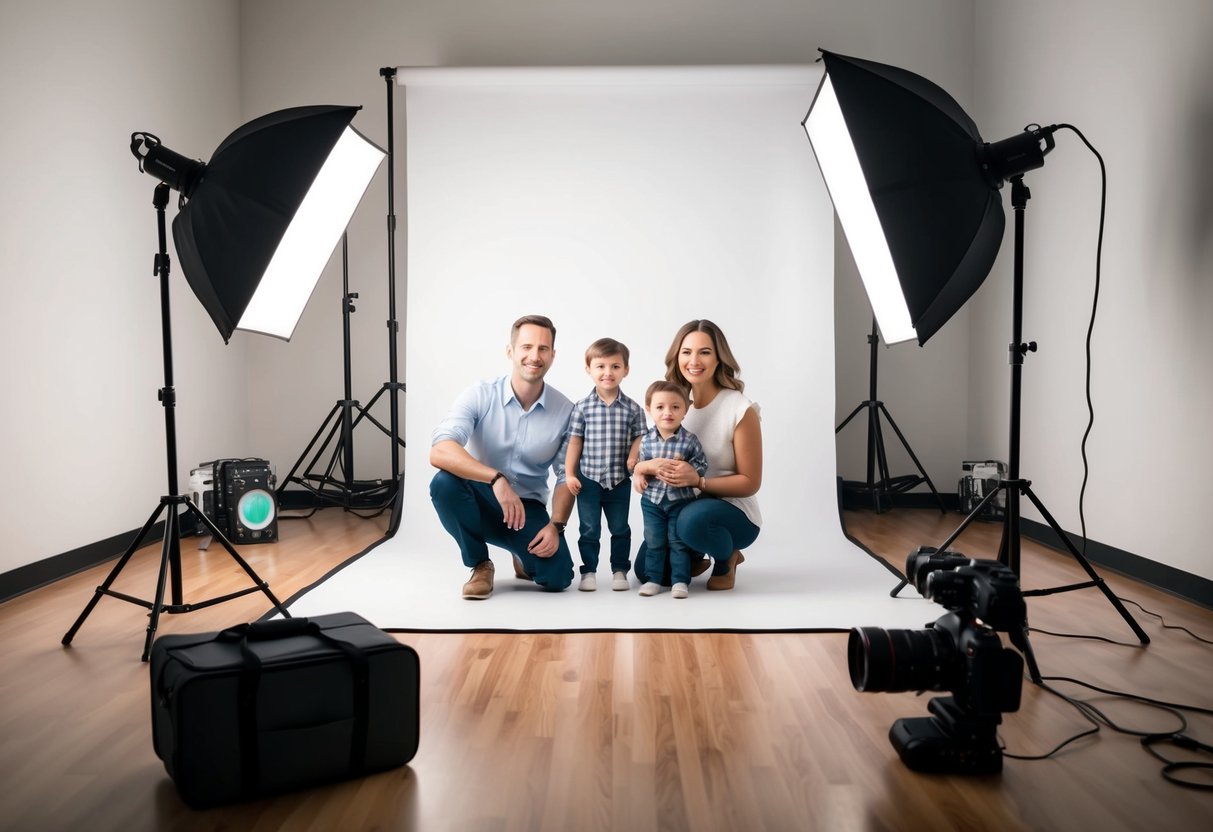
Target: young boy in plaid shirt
667,405
604,442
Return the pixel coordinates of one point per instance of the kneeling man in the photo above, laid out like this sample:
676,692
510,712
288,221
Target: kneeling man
493,451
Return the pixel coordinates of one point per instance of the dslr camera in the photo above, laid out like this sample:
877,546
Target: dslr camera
961,652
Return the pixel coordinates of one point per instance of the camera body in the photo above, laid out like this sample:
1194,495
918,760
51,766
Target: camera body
983,590
961,652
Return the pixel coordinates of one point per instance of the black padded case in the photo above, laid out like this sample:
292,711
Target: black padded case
279,705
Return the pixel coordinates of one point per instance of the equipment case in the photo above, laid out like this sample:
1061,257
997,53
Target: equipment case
278,705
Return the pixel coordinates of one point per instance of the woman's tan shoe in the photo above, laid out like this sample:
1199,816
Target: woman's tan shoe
726,580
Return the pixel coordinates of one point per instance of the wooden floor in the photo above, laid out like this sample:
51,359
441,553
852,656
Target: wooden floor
606,731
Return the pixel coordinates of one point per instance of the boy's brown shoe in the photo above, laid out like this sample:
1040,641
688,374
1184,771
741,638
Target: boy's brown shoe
480,585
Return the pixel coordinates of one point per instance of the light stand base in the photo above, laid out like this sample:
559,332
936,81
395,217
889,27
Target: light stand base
882,490
346,492
1009,550
170,570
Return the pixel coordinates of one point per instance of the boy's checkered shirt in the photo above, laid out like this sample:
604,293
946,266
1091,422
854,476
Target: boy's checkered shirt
682,445
607,433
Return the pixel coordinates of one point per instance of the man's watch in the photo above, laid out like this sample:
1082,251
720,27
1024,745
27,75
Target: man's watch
560,527
496,477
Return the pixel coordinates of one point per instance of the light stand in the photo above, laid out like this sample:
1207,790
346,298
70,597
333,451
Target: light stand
916,189
1014,485
170,554
878,462
346,491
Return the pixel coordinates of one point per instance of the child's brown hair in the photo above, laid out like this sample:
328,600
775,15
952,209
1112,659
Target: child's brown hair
604,347
664,386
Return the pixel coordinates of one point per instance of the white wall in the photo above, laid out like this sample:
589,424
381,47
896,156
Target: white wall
81,317
334,52
81,429
1135,78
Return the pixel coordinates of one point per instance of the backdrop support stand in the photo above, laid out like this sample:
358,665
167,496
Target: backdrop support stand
393,386
1014,486
170,553
878,462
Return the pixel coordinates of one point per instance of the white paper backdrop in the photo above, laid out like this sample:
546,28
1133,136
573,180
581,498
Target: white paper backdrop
623,203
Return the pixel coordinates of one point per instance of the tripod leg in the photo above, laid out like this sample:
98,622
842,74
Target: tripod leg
170,554
884,485
905,444
289,477
847,420
1028,655
878,467
101,590
1090,570
219,536
365,413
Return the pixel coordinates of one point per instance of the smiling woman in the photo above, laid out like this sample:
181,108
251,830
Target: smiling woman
724,519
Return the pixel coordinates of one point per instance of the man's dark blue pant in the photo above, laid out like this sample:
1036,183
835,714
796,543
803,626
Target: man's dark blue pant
470,513
593,503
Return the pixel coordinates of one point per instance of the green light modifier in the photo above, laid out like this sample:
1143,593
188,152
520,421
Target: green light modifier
256,509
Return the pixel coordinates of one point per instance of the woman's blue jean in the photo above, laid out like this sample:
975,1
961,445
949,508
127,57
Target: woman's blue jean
708,526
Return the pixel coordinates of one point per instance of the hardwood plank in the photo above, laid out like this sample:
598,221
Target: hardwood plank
606,731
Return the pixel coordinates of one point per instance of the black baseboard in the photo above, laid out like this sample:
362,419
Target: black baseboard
26,578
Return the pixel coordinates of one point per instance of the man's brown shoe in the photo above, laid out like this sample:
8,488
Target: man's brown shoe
700,566
726,581
480,585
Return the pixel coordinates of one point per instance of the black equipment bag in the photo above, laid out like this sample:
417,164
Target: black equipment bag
278,705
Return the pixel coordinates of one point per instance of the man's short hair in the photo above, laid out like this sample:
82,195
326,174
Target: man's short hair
604,347
664,386
537,320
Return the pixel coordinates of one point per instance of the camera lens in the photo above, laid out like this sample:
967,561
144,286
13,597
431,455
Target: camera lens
898,660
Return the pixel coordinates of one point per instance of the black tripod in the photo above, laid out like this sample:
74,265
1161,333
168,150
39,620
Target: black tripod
1013,485
346,491
878,462
170,554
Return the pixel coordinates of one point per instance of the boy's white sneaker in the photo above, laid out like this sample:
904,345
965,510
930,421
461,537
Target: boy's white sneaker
680,591
650,589
589,582
619,581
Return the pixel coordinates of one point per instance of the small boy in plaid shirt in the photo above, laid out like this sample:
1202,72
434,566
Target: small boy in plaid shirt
666,404
604,443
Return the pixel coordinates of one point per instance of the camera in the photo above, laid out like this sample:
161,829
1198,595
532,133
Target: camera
961,652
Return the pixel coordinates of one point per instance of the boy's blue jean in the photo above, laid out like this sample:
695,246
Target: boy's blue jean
593,502
471,514
662,544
